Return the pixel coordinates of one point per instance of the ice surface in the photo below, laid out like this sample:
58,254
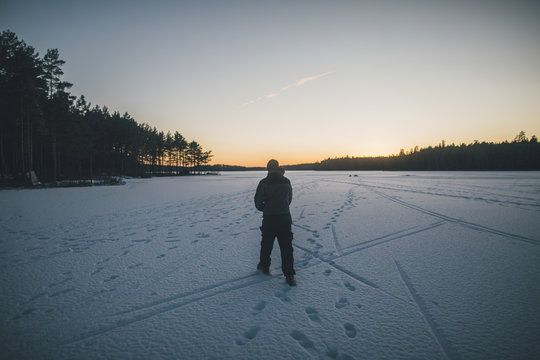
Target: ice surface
390,265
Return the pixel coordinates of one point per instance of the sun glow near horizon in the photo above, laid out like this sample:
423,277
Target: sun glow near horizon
259,157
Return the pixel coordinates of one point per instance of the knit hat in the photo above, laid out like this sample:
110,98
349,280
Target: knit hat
272,165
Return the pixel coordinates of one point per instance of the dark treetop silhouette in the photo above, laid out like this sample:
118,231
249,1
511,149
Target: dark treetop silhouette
520,154
46,130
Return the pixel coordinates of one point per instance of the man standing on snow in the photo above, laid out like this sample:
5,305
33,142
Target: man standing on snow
273,196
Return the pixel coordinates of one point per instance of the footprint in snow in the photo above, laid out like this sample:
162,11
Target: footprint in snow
327,272
349,286
259,307
302,339
342,302
350,330
282,294
249,334
313,315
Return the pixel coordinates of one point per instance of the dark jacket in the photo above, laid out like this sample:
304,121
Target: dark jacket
273,195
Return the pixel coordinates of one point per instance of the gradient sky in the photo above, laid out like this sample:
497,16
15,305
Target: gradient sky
300,81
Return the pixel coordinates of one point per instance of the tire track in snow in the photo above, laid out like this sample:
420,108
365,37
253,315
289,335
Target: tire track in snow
304,228
336,242
446,347
166,308
355,276
381,237
465,197
376,241
363,281
147,310
331,261
161,306
389,238
301,216
158,307
464,223
182,295
199,251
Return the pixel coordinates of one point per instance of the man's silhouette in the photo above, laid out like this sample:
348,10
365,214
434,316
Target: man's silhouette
273,196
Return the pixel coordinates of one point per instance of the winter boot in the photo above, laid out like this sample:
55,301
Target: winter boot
290,280
265,269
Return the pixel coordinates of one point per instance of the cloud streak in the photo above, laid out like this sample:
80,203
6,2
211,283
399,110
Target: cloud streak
311,78
298,83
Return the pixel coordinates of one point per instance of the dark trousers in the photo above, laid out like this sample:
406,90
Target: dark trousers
277,226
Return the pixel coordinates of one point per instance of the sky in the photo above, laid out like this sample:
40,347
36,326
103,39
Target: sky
300,81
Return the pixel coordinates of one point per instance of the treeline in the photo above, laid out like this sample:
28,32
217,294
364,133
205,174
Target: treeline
520,154
223,167
48,133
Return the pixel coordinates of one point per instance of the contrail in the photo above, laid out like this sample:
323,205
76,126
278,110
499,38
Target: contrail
298,83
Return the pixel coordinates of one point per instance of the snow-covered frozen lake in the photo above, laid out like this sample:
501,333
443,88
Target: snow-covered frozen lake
390,265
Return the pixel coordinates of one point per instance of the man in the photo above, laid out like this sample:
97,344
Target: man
273,196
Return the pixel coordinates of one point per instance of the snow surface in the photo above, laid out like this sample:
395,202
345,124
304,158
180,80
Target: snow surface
389,266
